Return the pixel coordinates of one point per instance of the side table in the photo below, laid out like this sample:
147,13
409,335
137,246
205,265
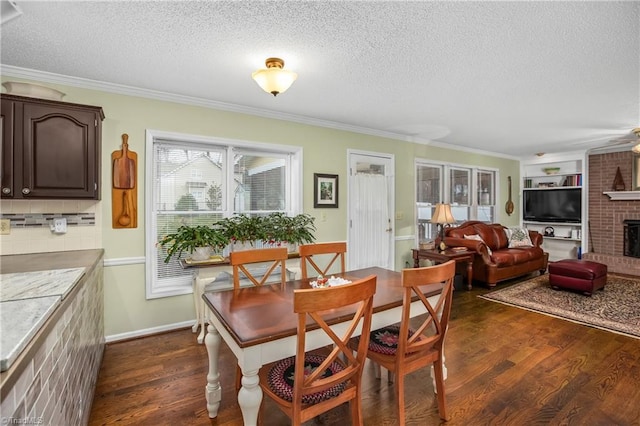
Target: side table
444,256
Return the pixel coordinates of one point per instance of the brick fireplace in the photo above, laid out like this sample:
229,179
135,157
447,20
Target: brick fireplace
606,227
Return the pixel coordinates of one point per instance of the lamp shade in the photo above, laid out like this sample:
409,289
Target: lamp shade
442,214
274,79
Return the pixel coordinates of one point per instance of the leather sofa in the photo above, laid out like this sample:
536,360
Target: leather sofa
494,260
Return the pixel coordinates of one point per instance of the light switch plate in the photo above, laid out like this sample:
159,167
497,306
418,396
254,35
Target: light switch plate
5,226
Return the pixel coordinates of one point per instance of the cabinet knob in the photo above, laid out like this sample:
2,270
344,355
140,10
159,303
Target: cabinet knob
26,191
6,190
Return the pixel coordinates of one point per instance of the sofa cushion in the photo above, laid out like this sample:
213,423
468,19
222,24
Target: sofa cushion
503,258
492,234
518,237
516,256
478,238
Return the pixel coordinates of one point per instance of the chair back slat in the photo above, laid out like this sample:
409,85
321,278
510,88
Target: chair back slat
311,303
414,281
239,260
337,249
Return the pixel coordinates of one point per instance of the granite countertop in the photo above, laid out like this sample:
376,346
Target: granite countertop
27,300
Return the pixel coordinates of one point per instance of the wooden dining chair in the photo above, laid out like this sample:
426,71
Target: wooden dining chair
403,350
312,383
307,251
277,257
239,260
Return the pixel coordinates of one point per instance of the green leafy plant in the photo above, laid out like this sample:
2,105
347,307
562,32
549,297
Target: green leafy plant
276,227
297,229
187,238
243,228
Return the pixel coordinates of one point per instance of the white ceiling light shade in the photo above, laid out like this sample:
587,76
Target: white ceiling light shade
274,79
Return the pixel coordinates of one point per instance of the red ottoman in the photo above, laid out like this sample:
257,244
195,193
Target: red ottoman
579,275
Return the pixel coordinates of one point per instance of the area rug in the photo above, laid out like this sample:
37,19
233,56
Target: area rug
616,308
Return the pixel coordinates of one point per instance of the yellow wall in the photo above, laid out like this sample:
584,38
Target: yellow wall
325,151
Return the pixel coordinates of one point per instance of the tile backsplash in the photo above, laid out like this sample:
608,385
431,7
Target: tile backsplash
30,231
26,220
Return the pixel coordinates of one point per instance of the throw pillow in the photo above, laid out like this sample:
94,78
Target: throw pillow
519,237
477,238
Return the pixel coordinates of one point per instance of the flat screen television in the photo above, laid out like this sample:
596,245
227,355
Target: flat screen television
563,205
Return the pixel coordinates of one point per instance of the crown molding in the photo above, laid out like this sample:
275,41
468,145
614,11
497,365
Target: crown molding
84,83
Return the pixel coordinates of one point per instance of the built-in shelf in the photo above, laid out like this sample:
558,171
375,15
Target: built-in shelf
561,174
623,195
562,238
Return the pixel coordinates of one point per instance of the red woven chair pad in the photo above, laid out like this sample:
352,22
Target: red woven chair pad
281,376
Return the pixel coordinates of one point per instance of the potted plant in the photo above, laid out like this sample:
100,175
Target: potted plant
243,229
272,230
294,230
191,239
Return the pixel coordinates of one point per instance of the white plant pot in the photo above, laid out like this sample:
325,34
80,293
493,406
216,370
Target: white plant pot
201,253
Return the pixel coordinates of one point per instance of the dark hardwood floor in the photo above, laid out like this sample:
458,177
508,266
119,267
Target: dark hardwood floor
506,366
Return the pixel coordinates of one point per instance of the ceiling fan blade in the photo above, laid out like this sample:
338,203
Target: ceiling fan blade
611,138
633,137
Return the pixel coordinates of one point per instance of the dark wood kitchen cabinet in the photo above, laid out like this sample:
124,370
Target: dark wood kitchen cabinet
50,149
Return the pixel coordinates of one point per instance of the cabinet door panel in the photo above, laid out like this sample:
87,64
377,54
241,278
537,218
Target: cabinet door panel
59,158
7,153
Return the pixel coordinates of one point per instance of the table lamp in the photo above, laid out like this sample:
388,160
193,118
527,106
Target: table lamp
442,216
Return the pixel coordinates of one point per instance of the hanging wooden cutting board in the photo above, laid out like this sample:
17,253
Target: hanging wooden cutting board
124,166
124,193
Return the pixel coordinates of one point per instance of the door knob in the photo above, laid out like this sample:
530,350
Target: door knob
26,191
6,190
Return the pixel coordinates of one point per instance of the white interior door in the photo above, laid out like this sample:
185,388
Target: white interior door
371,198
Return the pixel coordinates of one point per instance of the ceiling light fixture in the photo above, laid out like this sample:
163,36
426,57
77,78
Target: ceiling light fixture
274,79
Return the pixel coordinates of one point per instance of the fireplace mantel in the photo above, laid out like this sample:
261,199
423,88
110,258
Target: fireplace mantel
623,195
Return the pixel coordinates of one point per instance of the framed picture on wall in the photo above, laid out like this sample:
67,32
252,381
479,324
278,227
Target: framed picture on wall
325,190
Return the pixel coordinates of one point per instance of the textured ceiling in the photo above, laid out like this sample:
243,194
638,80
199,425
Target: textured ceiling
503,77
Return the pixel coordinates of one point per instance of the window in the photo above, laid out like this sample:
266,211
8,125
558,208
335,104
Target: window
469,190
194,180
486,198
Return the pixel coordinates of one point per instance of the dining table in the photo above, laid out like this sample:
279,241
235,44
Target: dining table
259,325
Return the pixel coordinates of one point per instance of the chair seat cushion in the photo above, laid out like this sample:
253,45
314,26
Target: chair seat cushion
385,340
282,373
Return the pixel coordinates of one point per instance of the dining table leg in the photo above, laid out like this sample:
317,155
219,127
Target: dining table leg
250,397
199,285
213,391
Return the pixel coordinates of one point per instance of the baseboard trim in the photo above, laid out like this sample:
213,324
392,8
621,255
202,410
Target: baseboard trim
148,331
